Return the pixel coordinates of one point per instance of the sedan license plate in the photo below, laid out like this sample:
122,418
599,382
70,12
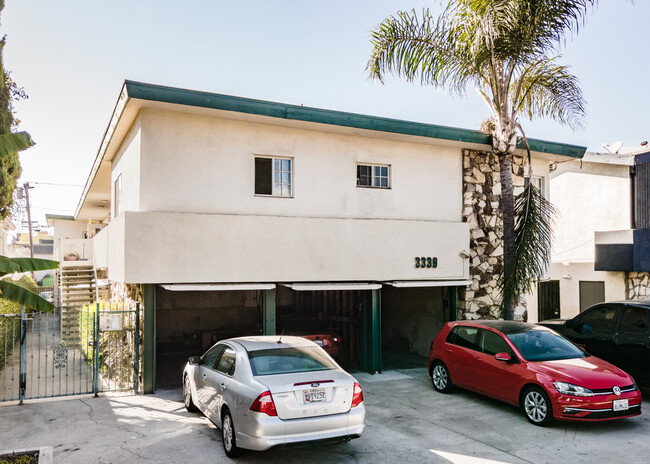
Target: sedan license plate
620,405
316,395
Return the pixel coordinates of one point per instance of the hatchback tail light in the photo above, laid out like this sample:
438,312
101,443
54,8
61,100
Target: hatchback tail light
338,339
357,397
264,403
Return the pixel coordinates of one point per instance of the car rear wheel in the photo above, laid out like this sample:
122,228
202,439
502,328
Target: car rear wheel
228,435
537,406
440,377
187,395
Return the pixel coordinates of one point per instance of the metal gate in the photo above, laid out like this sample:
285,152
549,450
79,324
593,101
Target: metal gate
39,360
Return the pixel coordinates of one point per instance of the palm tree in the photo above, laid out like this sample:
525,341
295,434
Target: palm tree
507,50
12,143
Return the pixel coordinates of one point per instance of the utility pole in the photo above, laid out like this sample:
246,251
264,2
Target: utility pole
29,221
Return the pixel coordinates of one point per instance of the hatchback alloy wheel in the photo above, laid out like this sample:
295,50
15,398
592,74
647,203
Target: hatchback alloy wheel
537,407
440,378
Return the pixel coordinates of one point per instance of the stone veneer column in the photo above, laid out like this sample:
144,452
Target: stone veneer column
637,286
481,196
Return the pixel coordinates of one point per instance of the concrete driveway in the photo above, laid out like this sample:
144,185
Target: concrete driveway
407,421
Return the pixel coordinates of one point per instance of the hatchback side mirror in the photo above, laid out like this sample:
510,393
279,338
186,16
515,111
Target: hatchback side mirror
194,360
505,357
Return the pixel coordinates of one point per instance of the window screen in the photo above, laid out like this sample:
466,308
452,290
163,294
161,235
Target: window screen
263,176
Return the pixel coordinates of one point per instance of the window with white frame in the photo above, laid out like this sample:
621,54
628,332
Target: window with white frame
273,176
538,182
373,175
117,196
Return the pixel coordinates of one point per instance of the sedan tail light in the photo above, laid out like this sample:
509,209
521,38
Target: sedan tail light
264,403
357,397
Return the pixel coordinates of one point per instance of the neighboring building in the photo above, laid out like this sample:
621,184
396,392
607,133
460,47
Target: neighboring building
627,249
217,212
43,248
591,194
5,226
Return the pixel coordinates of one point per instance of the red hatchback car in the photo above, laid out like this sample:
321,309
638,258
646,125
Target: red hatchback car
532,367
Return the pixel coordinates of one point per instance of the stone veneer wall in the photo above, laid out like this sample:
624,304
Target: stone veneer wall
126,293
637,286
481,196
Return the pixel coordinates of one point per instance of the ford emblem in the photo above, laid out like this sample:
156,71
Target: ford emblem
316,384
617,390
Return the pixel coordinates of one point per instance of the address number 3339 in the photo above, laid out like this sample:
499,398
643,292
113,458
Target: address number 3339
425,262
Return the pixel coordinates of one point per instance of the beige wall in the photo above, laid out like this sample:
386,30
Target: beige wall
570,287
184,248
198,164
127,164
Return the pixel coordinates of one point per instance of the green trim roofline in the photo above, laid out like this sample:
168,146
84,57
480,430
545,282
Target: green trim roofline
151,92
163,94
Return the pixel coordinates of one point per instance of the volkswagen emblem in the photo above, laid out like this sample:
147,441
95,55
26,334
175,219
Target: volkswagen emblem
617,390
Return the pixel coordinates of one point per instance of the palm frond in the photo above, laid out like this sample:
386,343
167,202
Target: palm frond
534,219
421,48
549,90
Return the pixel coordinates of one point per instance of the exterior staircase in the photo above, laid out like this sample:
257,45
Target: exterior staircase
77,287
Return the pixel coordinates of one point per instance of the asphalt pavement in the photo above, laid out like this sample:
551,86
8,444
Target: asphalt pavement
407,422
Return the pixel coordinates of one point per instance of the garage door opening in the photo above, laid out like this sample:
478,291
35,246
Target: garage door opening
189,322
336,312
410,320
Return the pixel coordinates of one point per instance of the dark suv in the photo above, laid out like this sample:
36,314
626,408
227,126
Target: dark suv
618,332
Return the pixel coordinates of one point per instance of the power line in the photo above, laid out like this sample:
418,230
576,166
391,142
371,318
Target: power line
57,185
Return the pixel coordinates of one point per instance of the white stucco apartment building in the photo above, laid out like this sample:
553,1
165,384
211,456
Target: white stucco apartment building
225,212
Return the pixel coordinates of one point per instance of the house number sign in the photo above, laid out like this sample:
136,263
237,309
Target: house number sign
422,262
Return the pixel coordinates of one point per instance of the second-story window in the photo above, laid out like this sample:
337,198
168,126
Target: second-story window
273,176
373,175
117,203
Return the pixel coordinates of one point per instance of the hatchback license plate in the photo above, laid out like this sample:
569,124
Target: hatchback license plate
620,405
315,396
319,342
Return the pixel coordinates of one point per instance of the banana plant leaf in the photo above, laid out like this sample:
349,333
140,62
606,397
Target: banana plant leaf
8,266
35,264
14,142
21,295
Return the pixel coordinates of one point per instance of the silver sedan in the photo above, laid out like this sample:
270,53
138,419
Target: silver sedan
273,390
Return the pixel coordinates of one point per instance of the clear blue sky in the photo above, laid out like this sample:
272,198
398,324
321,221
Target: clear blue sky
71,57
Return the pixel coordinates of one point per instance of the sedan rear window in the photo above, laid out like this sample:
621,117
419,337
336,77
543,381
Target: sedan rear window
290,360
540,345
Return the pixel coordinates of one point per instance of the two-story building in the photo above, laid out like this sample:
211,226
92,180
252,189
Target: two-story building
220,213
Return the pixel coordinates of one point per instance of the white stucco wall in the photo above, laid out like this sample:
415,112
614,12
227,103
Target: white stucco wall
186,248
594,198
199,164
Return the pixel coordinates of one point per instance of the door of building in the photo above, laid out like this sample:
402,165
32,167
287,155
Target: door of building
548,300
591,293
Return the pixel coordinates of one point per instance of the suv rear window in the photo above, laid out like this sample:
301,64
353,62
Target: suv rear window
290,360
463,336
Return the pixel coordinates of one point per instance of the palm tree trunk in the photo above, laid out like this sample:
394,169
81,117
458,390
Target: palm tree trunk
508,214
